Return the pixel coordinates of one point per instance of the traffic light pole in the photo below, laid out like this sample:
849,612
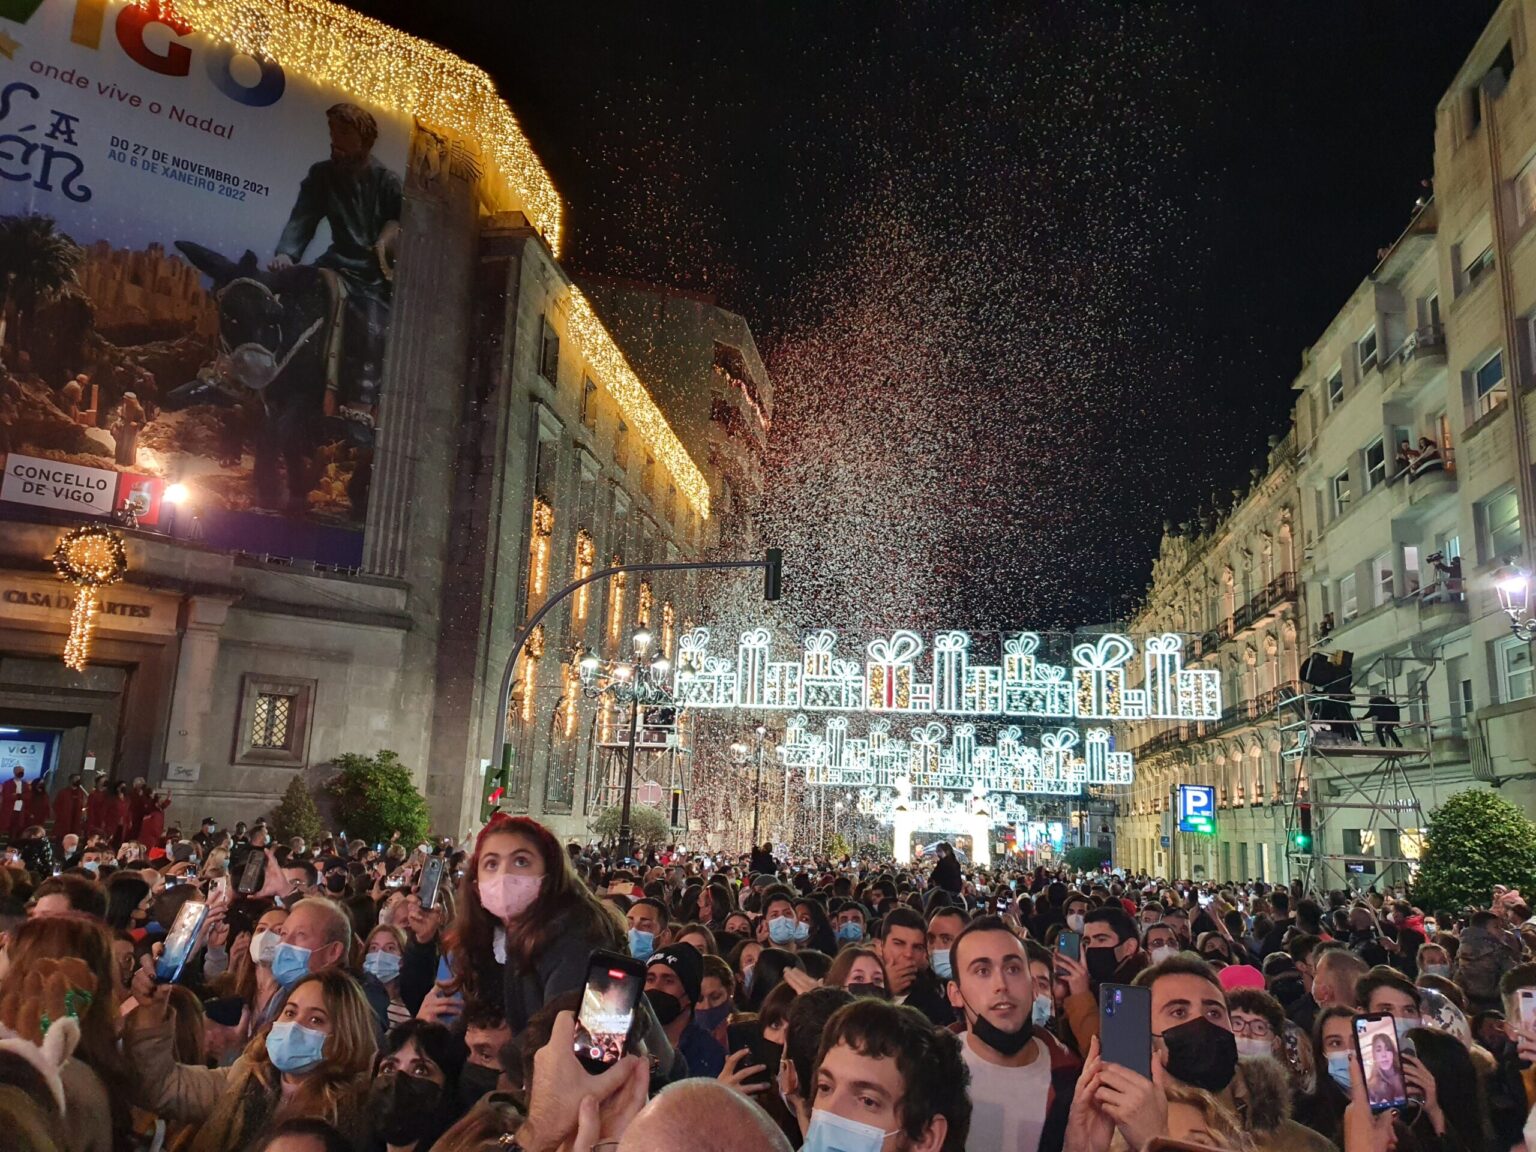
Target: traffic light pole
772,565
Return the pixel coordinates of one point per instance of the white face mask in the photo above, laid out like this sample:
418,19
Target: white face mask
1162,952
1075,921
829,1132
1251,1047
264,942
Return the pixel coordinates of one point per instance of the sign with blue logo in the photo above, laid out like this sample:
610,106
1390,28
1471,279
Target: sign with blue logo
1197,808
1165,841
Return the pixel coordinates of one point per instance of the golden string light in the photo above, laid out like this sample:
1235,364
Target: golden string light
635,404
643,602
533,653
586,557
569,700
616,600
538,546
668,628
384,67
390,70
89,557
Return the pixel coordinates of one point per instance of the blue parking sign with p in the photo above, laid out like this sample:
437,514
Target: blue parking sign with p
1197,808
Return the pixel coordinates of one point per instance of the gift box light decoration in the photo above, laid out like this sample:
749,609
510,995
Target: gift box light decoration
1062,764
890,678
943,812
90,557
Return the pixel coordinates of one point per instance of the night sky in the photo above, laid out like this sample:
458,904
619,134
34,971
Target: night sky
1030,278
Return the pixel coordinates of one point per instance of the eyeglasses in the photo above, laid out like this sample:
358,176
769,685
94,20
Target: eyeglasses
1258,1029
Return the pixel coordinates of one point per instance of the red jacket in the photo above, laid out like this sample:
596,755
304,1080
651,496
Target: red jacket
98,806
36,808
152,827
118,811
69,812
10,792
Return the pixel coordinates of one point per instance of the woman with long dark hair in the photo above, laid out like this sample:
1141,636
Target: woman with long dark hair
526,922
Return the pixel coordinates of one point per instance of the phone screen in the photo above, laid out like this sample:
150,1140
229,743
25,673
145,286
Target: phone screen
253,872
1070,944
431,881
1125,1027
1527,1002
614,986
178,944
1380,1062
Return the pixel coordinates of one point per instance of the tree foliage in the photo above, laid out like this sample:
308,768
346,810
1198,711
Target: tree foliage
1086,858
1476,839
378,797
838,846
38,263
296,814
646,824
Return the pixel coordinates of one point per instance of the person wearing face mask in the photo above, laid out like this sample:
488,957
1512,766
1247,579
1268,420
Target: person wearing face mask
1257,1021
1111,954
860,972
312,1061
886,1079
1075,911
1434,960
1022,1077
414,1096
526,924
647,920
422,964
944,924
1192,1030
317,937
808,1016
1159,942
382,953
785,928
716,999
852,920
673,980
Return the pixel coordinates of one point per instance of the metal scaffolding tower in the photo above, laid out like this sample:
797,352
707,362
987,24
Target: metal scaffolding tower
1343,753
662,761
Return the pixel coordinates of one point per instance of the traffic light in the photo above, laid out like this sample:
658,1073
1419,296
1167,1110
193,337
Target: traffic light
1301,835
495,787
773,572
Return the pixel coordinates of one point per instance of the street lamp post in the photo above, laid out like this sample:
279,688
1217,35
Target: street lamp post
625,684
1514,588
757,784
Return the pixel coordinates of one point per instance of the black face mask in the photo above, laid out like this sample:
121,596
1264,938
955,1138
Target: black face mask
406,1109
1006,1043
336,882
666,1006
1201,1054
474,1082
1101,963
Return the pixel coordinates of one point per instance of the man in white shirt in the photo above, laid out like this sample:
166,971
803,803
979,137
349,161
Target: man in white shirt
1022,1078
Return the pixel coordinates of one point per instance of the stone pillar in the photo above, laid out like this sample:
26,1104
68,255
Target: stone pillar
202,618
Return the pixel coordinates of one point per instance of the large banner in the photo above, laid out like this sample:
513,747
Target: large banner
200,253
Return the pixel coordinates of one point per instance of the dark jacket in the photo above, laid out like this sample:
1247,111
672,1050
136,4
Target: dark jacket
927,996
1065,1067
946,875
418,972
561,967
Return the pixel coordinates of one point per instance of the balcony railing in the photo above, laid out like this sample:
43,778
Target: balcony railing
1245,711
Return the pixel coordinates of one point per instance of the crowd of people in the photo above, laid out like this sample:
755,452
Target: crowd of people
346,995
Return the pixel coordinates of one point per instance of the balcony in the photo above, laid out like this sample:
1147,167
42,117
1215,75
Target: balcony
1443,605
1420,361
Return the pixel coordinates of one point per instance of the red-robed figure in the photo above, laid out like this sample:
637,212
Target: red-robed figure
69,816
98,809
38,808
13,801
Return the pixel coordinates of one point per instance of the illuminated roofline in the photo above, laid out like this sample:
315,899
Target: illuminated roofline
389,69
640,412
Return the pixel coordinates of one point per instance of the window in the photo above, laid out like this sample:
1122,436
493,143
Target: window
1525,192
1335,389
669,506
1365,347
648,477
1340,492
621,445
1382,567
1375,464
1500,516
272,721
1359,841
273,724
1349,604
1517,673
588,403
549,355
1475,253
1488,387
1411,577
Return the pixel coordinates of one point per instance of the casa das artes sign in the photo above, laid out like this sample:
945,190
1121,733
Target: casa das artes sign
892,678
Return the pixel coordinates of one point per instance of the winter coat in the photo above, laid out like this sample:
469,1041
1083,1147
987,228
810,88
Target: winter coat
1481,961
69,812
1263,1095
561,967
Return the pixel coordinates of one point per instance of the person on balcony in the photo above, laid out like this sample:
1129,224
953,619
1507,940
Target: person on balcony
1427,458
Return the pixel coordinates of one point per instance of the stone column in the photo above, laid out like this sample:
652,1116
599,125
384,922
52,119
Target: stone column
202,618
